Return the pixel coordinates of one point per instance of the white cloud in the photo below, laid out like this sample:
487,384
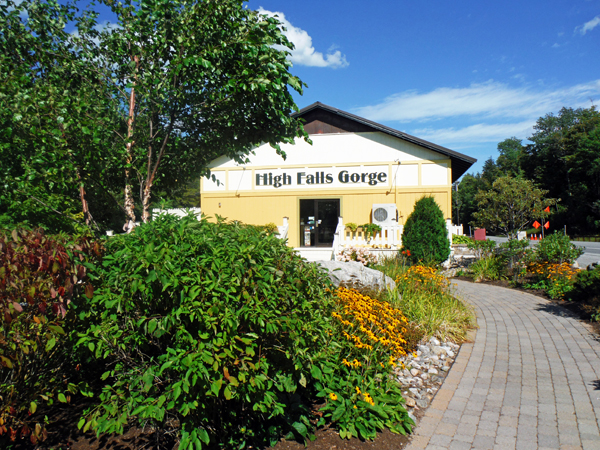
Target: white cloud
487,100
474,134
304,53
588,26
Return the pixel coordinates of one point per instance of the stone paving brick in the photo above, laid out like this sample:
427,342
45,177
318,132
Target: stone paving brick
458,445
525,382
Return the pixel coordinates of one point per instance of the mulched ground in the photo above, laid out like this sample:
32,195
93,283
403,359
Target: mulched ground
64,435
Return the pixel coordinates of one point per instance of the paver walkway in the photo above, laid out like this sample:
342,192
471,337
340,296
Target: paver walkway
530,380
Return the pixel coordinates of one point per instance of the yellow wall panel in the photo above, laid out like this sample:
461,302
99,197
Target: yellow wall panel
354,206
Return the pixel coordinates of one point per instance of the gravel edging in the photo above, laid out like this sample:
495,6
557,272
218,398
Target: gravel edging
422,373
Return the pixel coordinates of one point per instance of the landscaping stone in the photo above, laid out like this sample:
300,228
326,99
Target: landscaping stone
424,371
354,274
593,265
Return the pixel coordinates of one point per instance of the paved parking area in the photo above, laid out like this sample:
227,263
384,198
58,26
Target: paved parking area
530,380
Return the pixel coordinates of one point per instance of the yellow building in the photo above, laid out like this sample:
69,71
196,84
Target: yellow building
355,169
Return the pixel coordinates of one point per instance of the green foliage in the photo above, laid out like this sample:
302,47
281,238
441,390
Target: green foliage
57,137
557,279
564,159
557,248
39,276
489,268
139,105
211,325
587,288
270,228
393,267
461,239
510,205
361,401
357,380
425,234
510,161
482,249
515,255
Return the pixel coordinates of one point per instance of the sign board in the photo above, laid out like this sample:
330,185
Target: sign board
329,177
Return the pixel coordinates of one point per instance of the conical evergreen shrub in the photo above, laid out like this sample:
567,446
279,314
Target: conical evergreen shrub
425,237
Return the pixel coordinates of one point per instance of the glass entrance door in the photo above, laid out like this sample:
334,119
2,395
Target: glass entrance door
318,221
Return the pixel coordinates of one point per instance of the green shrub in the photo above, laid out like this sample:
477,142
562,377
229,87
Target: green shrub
482,249
514,256
39,276
425,235
461,239
208,325
220,331
587,286
557,248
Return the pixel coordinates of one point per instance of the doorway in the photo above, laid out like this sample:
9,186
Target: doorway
318,221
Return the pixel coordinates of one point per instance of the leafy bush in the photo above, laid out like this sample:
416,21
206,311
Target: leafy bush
482,249
425,234
514,256
362,255
490,268
208,325
461,239
586,286
39,276
557,248
222,331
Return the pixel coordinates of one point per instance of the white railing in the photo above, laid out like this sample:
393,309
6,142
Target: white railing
337,236
282,230
456,229
390,236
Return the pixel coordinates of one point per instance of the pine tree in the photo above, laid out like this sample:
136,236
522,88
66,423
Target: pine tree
425,236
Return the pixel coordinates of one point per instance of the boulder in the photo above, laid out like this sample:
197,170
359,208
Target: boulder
354,274
593,265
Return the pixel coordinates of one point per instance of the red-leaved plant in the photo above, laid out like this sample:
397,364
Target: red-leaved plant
39,276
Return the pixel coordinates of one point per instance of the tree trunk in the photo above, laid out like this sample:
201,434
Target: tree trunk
129,203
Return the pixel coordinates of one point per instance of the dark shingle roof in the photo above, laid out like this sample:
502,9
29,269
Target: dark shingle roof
460,163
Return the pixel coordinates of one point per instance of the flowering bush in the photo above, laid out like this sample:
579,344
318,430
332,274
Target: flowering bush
556,279
362,395
362,255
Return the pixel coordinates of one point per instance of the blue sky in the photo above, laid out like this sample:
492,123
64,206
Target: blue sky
465,75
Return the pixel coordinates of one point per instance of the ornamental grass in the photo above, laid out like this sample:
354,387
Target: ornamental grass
423,295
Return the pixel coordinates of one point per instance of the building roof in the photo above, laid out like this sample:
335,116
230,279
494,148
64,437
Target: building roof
320,119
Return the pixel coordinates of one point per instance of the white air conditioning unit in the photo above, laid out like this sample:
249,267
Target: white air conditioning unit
385,214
